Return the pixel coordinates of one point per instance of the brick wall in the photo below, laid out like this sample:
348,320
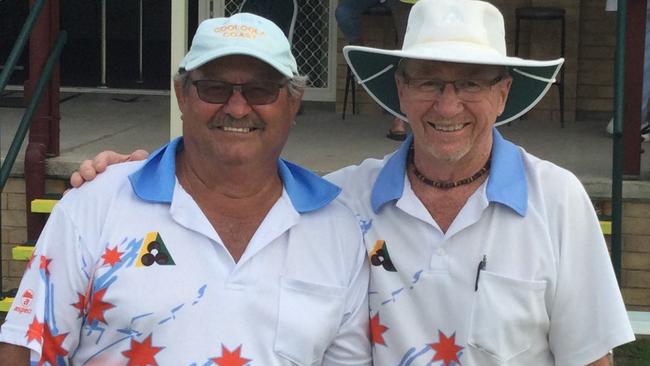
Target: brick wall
596,62
14,230
636,255
635,266
589,65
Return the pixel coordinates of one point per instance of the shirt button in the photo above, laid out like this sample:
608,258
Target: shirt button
440,252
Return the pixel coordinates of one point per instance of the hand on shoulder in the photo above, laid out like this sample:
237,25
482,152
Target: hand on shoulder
88,169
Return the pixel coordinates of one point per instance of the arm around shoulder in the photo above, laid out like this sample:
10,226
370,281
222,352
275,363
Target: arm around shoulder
89,169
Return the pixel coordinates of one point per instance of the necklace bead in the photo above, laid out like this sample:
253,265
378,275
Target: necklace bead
446,184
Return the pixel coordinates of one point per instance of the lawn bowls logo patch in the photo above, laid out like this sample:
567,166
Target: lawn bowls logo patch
154,251
379,256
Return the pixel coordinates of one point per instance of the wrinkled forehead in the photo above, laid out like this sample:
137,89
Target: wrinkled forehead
437,69
231,65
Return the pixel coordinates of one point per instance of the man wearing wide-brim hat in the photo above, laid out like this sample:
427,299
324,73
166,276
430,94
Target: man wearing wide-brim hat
481,253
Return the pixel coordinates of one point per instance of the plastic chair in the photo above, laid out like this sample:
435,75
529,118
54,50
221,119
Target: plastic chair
350,82
545,13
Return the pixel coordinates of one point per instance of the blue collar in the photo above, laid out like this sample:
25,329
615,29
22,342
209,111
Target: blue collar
506,182
155,180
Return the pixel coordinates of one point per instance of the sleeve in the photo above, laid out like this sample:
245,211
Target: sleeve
352,343
588,317
46,314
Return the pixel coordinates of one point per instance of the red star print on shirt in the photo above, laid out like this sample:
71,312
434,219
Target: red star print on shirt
97,307
229,358
142,354
44,263
446,349
377,330
112,256
35,331
80,305
52,348
30,260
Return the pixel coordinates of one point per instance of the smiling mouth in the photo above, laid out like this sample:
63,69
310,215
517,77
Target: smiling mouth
237,129
448,128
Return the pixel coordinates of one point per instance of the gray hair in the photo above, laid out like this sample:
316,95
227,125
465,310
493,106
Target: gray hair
295,85
182,77
400,70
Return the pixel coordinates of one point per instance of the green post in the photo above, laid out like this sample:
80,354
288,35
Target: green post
617,158
19,45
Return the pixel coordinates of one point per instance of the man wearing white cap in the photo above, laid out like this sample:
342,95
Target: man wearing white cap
212,252
481,254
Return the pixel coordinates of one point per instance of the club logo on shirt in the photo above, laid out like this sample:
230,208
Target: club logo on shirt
25,304
379,256
154,250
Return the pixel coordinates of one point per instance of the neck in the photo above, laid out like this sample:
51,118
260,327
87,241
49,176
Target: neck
447,184
234,181
447,169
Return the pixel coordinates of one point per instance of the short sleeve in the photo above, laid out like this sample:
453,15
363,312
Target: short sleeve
588,317
46,315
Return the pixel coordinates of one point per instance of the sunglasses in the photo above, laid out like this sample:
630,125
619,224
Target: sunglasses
255,93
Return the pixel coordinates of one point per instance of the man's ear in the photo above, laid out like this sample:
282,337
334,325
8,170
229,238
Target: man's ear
295,100
504,90
180,95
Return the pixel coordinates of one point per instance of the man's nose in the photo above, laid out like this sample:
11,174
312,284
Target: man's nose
448,103
237,106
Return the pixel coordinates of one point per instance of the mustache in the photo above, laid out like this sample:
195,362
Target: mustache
229,121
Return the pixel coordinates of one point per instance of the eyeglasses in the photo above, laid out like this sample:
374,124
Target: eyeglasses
255,93
466,89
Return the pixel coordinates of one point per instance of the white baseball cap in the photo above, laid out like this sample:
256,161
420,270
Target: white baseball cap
241,34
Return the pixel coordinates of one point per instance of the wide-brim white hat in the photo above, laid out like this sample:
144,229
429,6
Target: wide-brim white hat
459,31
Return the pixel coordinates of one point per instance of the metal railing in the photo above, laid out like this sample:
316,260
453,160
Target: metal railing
41,84
25,122
19,46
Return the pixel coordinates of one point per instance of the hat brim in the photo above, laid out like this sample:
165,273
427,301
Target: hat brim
374,68
195,63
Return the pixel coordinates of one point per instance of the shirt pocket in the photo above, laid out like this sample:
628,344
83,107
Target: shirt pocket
506,315
308,319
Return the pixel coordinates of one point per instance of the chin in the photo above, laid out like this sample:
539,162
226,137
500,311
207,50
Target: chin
450,155
234,154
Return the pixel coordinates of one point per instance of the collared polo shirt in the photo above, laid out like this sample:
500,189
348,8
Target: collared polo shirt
129,271
545,295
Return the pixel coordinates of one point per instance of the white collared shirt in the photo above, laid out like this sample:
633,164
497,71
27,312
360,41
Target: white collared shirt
547,294
133,272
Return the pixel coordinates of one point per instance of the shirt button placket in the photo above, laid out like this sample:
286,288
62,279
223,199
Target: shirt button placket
439,260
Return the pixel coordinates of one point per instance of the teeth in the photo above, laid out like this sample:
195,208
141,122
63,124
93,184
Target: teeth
237,130
449,128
